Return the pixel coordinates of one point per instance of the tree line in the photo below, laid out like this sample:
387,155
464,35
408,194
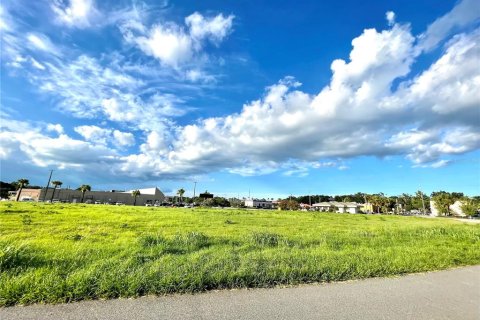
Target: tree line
380,202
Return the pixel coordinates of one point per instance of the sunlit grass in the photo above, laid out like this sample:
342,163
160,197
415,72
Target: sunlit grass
59,253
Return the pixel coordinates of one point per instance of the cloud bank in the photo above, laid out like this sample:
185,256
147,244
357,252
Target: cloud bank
372,106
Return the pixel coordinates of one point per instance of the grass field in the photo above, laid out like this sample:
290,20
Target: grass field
59,253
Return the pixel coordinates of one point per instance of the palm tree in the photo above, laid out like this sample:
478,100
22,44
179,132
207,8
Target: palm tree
21,183
180,192
135,194
84,188
56,184
376,202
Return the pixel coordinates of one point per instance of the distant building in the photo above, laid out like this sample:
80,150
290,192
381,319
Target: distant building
455,209
260,204
147,196
342,207
305,206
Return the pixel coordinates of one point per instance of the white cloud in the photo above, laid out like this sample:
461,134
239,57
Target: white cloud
123,139
37,64
75,13
5,20
373,106
357,114
171,44
27,142
463,14
196,75
168,44
102,136
214,28
94,134
58,128
390,16
440,163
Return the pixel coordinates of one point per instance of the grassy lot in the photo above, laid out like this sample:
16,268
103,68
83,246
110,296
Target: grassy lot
59,253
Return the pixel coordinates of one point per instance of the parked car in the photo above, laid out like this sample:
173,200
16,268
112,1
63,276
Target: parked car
27,199
120,204
98,202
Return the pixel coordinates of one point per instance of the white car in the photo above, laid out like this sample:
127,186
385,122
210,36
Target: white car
27,199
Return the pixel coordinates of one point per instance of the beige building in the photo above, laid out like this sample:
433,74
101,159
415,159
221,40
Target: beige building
148,196
342,207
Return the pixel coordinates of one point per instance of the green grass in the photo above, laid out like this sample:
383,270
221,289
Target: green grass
51,253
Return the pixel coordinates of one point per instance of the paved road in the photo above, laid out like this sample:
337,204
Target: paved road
453,294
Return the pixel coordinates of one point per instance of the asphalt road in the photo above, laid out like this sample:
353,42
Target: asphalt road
453,294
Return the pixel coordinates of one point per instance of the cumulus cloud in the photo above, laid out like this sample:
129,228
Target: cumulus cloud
390,16
357,114
27,142
104,136
372,106
58,128
123,139
171,44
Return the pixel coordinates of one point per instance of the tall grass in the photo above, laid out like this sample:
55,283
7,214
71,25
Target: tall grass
63,253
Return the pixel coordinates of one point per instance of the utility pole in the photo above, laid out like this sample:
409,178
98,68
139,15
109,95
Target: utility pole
194,189
48,183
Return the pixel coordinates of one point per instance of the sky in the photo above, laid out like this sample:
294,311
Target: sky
259,98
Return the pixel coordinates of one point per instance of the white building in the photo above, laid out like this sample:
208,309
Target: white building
256,203
342,207
455,209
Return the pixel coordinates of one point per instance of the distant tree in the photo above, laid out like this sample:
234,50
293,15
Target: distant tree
5,188
376,201
289,204
221,202
237,203
207,202
470,206
180,193
135,194
443,200
21,183
421,200
215,202
55,184
84,188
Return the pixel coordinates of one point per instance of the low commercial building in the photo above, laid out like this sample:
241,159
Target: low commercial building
146,197
259,204
334,206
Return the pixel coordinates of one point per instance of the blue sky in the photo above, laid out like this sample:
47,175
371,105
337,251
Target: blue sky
275,98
